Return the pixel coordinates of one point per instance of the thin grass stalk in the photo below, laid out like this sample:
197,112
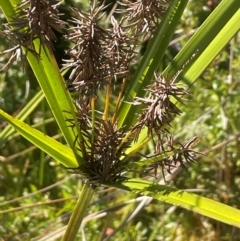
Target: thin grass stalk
79,212
107,101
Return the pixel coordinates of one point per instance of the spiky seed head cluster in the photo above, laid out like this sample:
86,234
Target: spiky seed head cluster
87,54
34,19
102,148
121,48
104,163
145,14
183,154
98,55
159,108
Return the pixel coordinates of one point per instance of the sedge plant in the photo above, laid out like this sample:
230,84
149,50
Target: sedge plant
105,135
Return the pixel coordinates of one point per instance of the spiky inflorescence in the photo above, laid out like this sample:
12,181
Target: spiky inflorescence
87,54
34,19
160,109
102,147
104,163
120,51
98,55
145,14
183,154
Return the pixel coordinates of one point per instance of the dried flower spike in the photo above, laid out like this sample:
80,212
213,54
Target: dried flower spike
160,110
99,55
88,58
101,145
38,18
120,50
183,155
34,19
146,14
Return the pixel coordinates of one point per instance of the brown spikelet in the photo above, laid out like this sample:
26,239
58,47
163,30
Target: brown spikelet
34,19
145,14
160,109
120,51
38,18
103,152
99,55
87,55
183,154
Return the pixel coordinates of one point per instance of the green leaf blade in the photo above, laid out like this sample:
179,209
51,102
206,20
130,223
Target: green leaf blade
217,44
53,148
190,201
22,115
203,37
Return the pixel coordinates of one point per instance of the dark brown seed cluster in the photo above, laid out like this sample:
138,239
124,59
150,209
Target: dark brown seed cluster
98,55
103,150
145,14
38,18
159,109
104,162
183,154
87,54
34,19
101,52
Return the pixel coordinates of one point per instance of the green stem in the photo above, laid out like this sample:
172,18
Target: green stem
79,212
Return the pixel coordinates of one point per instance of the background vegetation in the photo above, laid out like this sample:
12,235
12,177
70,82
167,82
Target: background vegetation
46,192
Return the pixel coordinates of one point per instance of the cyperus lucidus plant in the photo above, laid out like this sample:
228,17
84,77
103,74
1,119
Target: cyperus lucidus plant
97,157
97,62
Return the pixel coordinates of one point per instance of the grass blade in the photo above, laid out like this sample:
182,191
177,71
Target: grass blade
201,40
219,42
190,201
53,148
22,115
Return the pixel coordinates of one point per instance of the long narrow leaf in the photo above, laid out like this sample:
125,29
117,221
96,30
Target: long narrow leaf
22,115
201,40
53,148
219,42
190,201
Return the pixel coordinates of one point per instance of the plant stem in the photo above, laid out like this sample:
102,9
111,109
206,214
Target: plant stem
79,212
107,99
